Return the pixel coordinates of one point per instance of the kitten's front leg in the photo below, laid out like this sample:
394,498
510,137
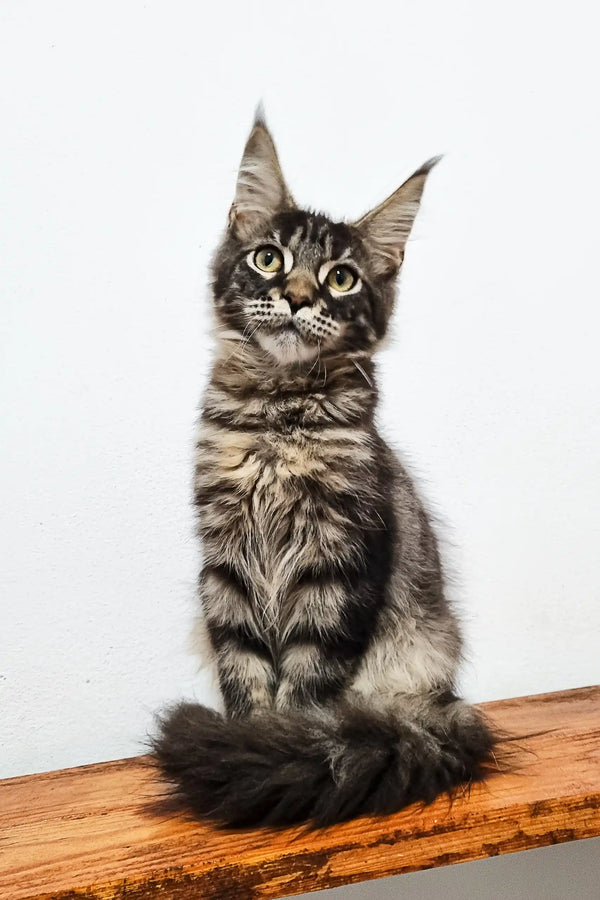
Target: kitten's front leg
322,644
244,660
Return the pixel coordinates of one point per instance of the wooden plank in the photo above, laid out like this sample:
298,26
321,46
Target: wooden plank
93,832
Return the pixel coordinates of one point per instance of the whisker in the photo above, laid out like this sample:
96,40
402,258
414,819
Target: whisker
363,373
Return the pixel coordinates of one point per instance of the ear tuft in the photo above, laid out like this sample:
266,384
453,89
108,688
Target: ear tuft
261,191
385,229
260,117
426,168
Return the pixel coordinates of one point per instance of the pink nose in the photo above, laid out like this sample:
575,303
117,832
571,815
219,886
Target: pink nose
297,300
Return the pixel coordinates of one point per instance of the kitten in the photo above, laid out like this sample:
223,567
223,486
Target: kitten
322,590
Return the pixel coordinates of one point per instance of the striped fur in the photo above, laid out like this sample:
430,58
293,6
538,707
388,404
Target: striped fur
322,590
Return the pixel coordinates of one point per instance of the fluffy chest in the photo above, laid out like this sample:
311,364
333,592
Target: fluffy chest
271,504
258,477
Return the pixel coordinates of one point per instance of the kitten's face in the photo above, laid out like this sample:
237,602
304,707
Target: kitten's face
297,285
300,287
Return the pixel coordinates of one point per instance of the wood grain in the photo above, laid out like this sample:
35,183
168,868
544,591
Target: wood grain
94,831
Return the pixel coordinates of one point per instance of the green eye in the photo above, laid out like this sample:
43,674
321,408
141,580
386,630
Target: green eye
341,279
268,259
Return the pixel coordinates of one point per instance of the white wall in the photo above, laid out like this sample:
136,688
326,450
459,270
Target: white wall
122,126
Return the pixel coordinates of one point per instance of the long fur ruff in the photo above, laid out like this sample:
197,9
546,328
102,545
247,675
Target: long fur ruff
277,768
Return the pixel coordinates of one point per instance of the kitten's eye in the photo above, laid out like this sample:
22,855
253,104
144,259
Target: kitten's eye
268,259
341,279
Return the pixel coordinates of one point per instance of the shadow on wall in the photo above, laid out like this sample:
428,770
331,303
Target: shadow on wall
551,873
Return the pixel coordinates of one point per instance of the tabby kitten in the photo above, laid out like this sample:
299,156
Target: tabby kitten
322,592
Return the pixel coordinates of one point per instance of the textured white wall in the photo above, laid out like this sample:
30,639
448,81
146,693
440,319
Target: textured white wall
122,126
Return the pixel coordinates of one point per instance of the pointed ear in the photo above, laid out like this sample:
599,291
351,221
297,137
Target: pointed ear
261,190
386,228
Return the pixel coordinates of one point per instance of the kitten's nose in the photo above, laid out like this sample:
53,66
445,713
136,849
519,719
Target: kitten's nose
297,301
299,291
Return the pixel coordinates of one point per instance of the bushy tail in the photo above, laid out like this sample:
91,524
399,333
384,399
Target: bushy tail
280,768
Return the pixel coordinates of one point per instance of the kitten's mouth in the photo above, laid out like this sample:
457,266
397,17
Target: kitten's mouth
290,327
286,343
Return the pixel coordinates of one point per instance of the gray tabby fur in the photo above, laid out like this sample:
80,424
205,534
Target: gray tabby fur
336,648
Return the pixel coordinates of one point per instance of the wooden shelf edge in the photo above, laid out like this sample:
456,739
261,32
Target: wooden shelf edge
94,831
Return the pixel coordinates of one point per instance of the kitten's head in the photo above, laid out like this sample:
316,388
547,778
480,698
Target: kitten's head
295,284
